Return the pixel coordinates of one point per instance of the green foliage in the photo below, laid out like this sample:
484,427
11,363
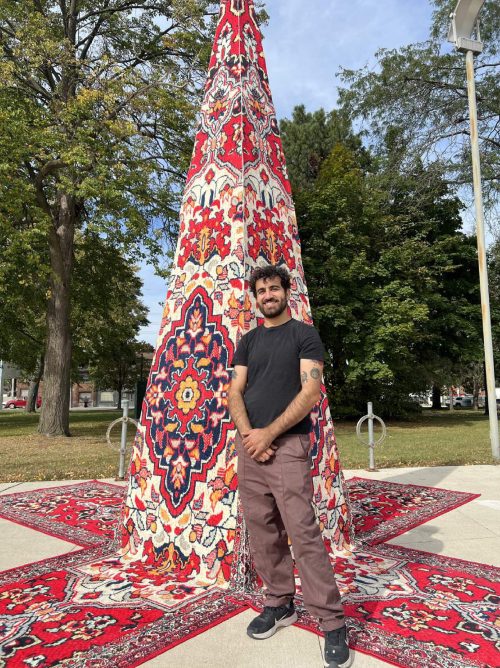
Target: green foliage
23,286
107,308
494,290
107,315
308,139
100,105
119,363
392,279
107,311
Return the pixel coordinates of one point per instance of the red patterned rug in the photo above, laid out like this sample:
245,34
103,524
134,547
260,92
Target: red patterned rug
410,608
86,513
383,510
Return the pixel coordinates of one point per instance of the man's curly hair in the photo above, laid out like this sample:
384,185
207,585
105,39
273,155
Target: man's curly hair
271,271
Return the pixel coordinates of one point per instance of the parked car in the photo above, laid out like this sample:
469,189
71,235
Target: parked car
20,403
462,401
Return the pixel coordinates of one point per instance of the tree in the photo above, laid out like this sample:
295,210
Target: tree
23,287
419,93
120,366
397,306
335,232
308,139
494,288
107,314
97,103
106,289
438,262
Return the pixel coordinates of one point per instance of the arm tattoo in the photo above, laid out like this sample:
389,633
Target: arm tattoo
303,403
234,374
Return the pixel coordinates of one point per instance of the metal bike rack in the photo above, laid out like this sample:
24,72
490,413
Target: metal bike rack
371,443
124,420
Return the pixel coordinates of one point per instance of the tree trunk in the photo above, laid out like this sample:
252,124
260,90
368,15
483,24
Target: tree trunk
33,388
120,392
436,397
54,418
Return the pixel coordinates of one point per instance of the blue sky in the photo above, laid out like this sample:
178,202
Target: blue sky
306,42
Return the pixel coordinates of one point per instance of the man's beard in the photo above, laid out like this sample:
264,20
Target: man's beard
273,309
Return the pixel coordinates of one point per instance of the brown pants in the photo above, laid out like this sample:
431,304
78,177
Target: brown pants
276,498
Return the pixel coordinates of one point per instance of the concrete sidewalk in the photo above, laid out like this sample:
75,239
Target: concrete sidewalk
469,532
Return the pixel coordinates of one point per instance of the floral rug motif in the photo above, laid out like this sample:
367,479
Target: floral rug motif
383,510
49,616
420,610
237,213
83,513
90,609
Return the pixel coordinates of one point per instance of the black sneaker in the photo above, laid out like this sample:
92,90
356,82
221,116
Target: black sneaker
336,650
270,620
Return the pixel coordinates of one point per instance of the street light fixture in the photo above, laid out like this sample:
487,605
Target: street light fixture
464,25
464,33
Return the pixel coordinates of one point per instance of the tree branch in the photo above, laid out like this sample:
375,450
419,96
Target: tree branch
49,168
460,90
64,14
39,7
118,9
88,41
20,328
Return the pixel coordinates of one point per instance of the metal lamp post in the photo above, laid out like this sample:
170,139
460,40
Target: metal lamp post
464,33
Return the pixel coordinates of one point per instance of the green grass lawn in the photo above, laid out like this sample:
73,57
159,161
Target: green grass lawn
433,439
28,456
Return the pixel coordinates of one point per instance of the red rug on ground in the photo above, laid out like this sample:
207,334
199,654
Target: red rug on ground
410,608
383,510
86,513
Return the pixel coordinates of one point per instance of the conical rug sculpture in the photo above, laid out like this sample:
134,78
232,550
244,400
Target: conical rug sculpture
181,510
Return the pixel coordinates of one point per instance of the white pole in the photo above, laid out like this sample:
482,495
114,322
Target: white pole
481,252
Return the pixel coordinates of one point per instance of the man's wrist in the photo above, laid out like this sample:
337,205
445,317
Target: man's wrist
272,431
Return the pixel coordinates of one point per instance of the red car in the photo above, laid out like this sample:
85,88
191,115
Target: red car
20,403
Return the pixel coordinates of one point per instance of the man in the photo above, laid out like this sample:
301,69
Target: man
276,382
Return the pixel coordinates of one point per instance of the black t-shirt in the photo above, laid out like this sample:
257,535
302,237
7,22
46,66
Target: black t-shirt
272,356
